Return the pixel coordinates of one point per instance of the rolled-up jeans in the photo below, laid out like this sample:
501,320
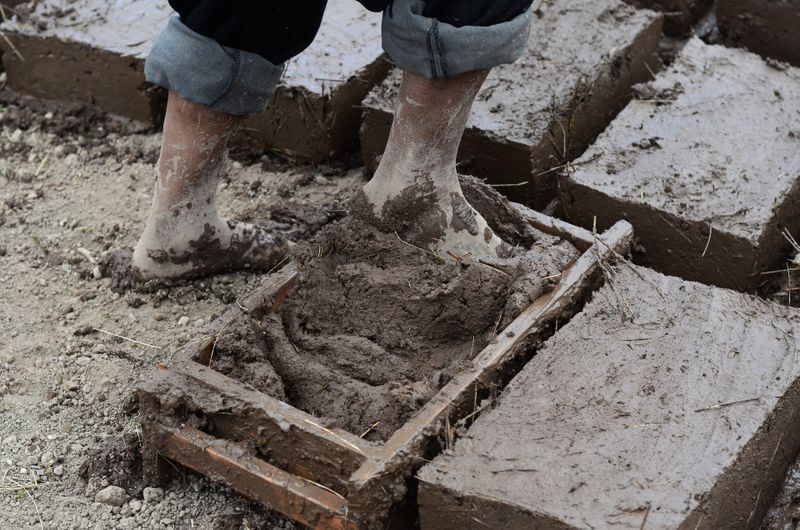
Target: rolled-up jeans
230,55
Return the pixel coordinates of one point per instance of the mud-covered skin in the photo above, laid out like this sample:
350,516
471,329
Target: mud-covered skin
464,215
415,190
184,236
241,246
414,214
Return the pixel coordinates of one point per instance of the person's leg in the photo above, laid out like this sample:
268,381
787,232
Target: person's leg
220,64
446,50
415,189
184,235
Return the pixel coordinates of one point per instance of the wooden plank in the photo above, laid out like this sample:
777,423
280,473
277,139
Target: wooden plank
580,237
305,501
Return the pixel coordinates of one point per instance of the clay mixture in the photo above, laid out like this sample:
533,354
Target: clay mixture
376,326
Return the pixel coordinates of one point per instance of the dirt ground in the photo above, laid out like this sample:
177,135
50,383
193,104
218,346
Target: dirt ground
72,186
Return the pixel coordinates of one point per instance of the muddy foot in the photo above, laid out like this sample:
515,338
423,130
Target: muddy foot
222,246
441,221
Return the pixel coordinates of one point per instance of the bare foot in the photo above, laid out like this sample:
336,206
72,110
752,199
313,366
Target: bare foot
436,218
204,247
415,190
184,236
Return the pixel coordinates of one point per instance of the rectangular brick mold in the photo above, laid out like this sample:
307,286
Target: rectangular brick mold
287,459
704,162
679,15
94,52
581,60
683,414
768,27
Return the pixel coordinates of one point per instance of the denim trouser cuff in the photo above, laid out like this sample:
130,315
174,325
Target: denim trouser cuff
435,50
204,72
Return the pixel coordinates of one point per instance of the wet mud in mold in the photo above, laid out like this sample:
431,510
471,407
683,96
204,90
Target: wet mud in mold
376,326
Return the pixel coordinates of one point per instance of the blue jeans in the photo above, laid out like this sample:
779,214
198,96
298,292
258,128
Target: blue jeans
241,78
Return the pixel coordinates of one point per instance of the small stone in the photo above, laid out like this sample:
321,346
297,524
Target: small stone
83,360
58,470
8,358
47,458
184,320
319,179
236,165
112,496
96,273
32,195
71,385
152,495
199,322
128,523
16,136
135,505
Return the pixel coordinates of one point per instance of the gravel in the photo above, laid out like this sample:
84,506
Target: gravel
153,495
111,495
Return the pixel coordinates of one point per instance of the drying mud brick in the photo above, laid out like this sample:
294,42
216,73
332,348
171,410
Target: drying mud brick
316,111
704,162
767,27
679,15
87,51
94,52
582,58
785,512
663,404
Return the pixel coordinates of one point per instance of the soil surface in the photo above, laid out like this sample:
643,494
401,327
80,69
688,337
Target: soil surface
376,326
74,186
663,404
672,164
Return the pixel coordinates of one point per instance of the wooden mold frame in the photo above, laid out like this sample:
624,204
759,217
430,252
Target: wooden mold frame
287,459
